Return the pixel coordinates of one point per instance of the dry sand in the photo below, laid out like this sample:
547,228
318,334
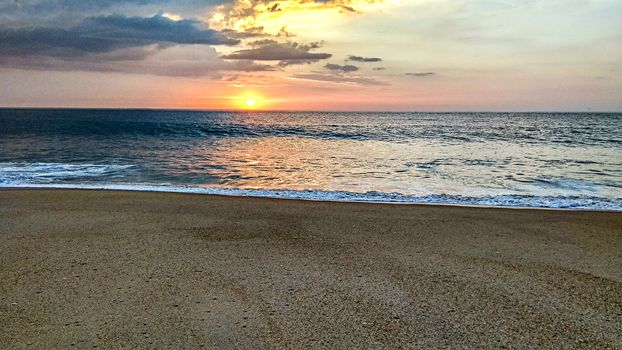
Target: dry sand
110,269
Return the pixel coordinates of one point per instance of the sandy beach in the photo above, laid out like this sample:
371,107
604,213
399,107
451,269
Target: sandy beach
114,269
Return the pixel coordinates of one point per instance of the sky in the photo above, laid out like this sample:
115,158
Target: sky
362,55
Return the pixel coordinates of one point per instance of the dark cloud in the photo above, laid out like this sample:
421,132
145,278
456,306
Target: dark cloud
186,61
274,8
263,42
284,33
286,53
105,34
338,78
34,7
146,45
364,59
421,74
245,34
64,4
345,68
30,8
379,68
349,9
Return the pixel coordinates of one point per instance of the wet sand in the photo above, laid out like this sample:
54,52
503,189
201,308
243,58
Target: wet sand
112,269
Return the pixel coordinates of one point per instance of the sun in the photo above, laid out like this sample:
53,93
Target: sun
250,100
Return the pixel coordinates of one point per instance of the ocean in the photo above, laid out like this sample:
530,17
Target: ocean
547,160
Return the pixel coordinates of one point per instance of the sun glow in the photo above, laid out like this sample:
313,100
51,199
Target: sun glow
250,100
291,15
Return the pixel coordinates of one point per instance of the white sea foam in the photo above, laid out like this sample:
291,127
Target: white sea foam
41,173
526,201
97,176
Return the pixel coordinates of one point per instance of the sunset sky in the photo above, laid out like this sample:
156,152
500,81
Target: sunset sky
413,55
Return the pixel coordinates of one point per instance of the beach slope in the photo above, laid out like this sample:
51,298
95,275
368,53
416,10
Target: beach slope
114,269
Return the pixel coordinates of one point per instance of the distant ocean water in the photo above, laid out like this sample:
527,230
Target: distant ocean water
565,160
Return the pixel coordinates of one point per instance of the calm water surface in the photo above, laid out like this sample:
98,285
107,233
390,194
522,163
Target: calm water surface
516,159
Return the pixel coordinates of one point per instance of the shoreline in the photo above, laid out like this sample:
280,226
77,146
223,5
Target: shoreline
123,269
195,190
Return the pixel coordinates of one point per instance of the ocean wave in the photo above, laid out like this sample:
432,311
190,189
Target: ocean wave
509,200
570,130
38,173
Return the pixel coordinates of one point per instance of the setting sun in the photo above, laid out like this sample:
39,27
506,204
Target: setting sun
250,100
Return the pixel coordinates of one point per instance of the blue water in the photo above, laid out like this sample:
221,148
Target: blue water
569,160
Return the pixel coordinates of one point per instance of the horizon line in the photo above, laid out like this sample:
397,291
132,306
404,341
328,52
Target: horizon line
300,110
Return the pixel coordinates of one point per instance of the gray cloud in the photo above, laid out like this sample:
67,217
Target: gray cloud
146,45
105,34
284,33
286,53
186,61
334,78
31,12
379,68
349,9
345,68
364,59
421,74
246,33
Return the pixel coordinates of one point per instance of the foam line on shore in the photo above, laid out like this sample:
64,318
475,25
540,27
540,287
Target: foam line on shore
513,201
